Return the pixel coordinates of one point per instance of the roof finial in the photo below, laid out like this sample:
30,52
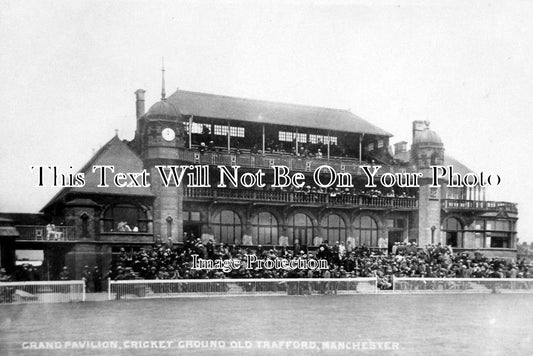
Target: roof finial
116,132
163,94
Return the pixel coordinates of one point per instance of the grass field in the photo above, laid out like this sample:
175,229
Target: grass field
488,324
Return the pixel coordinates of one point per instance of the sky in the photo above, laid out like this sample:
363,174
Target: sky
68,71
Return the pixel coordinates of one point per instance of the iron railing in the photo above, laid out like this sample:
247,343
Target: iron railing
300,197
462,204
42,232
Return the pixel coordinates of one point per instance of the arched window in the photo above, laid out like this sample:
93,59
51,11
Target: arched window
227,227
265,228
366,231
454,232
125,218
84,225
333,228
169,226
300,227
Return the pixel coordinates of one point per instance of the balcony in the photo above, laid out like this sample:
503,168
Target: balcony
40,233
295,163
285,197
459,204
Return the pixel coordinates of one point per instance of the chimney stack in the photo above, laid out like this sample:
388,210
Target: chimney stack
400,147
418,126
139,102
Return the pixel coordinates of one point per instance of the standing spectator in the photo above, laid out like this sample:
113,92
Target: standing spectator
97,279
87,277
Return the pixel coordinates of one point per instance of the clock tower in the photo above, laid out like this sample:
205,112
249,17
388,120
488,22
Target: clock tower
159,142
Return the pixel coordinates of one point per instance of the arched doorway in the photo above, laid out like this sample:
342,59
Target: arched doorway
333,228
366,231
300,227
265,228
227,227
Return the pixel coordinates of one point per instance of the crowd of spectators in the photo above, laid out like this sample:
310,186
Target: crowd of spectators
206,142
166,261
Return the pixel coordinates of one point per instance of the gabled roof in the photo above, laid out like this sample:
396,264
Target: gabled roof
268,112
458,167
114,153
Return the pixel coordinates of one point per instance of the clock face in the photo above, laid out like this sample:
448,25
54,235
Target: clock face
168,134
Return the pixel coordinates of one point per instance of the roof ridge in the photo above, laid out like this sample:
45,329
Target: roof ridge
262,101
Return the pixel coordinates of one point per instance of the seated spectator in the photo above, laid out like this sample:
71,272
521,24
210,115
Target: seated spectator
64,275
202,148
247,240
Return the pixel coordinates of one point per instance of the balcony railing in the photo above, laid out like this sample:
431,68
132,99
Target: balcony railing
296,163
461,204
41,233
272,196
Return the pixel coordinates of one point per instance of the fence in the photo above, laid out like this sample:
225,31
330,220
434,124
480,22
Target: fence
128,289
74,291
42,292
462,285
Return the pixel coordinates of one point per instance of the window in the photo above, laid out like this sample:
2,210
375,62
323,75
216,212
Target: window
331,139
222,130
197,127
290,136
265,228
315,138
191,216
500,240
493,233
396,223
324,139
84,225
334,228
227,227
366,231
300,228
195,216
285,136
125,218
454,232
380,143
169,226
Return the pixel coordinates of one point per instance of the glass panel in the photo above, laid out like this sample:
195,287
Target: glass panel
500,240
452,224
503,225
227,226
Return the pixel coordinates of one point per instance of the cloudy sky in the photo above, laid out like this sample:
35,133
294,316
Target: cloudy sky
68,71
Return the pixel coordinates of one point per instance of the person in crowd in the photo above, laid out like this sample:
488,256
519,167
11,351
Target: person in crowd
64,275
96,279
4,277
202,148
87,278
161,261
